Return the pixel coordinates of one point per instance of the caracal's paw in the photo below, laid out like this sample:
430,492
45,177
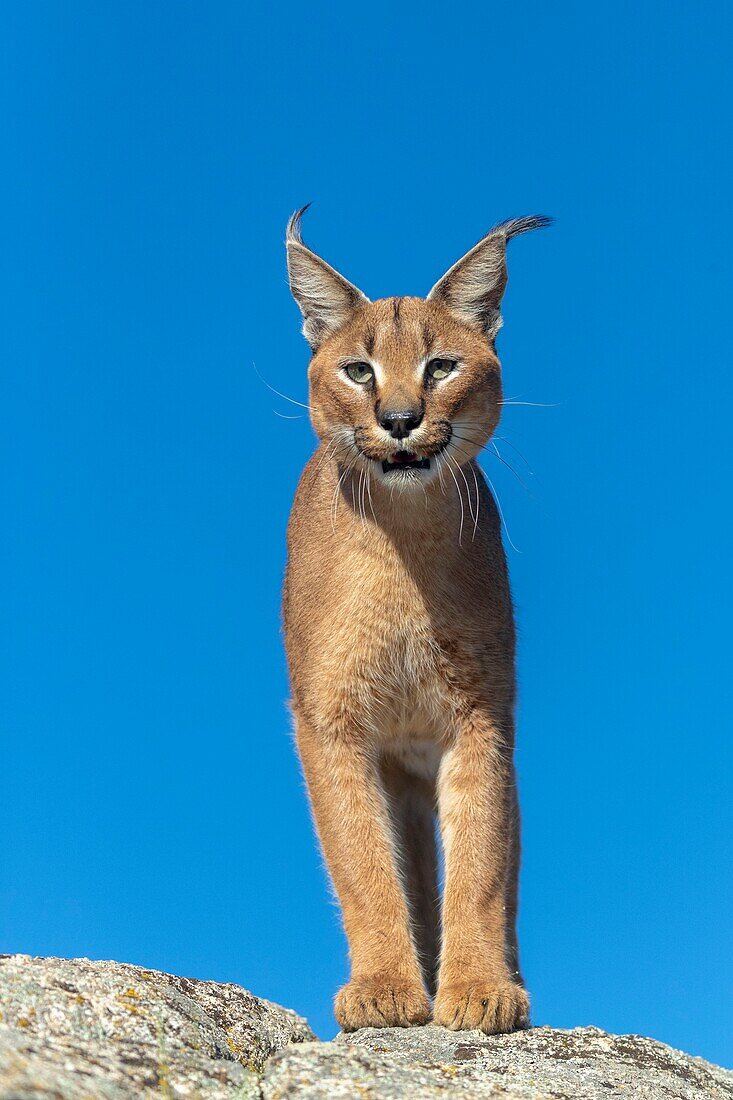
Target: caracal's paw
381,1002
492,1007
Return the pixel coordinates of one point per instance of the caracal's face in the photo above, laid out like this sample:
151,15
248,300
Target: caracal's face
405,390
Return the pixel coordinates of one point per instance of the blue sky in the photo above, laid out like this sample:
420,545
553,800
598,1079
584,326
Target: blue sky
151,804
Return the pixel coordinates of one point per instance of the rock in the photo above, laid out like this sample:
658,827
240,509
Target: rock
81,1030
427,1063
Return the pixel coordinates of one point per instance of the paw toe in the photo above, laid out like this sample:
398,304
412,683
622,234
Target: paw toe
491,1008
378,1002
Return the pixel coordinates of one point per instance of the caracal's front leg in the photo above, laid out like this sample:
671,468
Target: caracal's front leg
476,988
386,987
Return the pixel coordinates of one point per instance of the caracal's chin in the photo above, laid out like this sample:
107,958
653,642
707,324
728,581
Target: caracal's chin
405,477
407,481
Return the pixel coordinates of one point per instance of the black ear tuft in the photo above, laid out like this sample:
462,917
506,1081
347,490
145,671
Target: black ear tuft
326,299
293,232
473,288
515,226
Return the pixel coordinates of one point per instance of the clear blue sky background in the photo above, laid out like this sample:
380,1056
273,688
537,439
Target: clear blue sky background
152,808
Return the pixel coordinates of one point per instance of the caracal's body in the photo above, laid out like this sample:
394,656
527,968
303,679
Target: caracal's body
400,640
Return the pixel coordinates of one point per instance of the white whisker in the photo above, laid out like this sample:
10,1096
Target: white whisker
438,458
460,497
325,454
535,404
509,466
498,454
353,495
362,480
470,459
501,514
468,493
334,509
478,500
283,395
503,439
369,489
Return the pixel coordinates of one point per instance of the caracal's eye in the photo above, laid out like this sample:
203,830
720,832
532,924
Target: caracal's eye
359,372
439,368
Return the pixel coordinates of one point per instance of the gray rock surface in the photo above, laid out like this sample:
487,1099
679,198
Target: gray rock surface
539,1064
80,1030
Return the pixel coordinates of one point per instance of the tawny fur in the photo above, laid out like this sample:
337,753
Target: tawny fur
400,641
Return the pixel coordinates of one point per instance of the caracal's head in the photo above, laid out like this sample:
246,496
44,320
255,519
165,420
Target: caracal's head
405,385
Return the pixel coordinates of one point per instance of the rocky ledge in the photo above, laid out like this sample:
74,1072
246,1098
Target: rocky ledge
80,1030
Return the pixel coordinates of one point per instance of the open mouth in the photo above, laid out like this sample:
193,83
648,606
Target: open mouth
405,460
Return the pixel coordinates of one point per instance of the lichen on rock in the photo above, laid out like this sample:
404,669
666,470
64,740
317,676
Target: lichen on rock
80,1030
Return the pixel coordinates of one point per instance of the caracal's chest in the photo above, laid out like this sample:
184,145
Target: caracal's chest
387,643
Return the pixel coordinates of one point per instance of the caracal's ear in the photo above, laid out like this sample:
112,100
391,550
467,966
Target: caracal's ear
326,299
473,288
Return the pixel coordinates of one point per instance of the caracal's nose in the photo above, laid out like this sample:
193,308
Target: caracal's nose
400,422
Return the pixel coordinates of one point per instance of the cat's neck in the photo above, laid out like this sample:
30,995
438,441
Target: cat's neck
443,507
